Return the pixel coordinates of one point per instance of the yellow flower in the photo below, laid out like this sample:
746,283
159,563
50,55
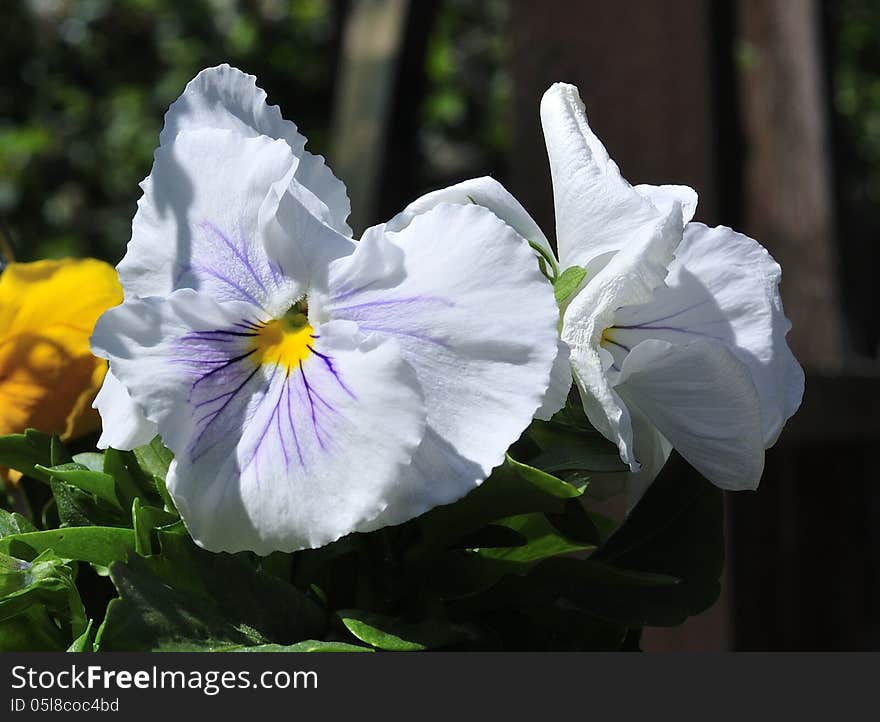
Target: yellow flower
48,375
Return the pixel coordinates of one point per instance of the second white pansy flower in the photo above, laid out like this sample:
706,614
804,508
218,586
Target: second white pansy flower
673,331
308,385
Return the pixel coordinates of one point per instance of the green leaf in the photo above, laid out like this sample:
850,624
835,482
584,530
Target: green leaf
130,480
58,454
146,520
82,509
13,523
545,261
513,488
93,482
83,643
565,448
309,645
24,452
150,615
394,635
45,583
567,283
94,544
675,531
459,574
34,630
542,540
547,483
154,459
92,460
190,599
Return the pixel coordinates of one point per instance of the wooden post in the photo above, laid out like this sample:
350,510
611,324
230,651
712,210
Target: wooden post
788,199
367,71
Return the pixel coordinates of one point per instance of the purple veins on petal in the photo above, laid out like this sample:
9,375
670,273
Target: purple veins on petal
679,312
328,362
312,409
274,417
395,302
228,281
237,252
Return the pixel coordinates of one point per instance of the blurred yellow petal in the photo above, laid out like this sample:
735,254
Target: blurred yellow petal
48,375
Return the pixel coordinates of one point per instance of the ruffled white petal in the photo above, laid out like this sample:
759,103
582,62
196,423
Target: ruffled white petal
475,319
629,277
664,196
702,399
597,210
724,286
298,244
226,98
560,384
124,425
486,192
266,458
198,222
489,193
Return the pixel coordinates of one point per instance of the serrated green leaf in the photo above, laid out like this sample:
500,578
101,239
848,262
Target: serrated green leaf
567,283
394,635
94,544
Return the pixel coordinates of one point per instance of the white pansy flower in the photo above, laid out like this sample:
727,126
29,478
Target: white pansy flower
308,385
675,334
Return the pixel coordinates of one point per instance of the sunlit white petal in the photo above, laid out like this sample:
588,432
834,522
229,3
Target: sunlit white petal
486,192
198,222
226,98
475,319
597,210
124,425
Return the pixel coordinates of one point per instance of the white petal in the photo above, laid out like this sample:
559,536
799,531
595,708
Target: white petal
597,210
226,98
724,286
629,277
652,450
266,458
664,196
486,192
489,193
123,423
560,384
198,222
298,244
702,399
475,319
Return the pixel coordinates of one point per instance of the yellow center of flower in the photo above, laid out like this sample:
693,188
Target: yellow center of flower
286,341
